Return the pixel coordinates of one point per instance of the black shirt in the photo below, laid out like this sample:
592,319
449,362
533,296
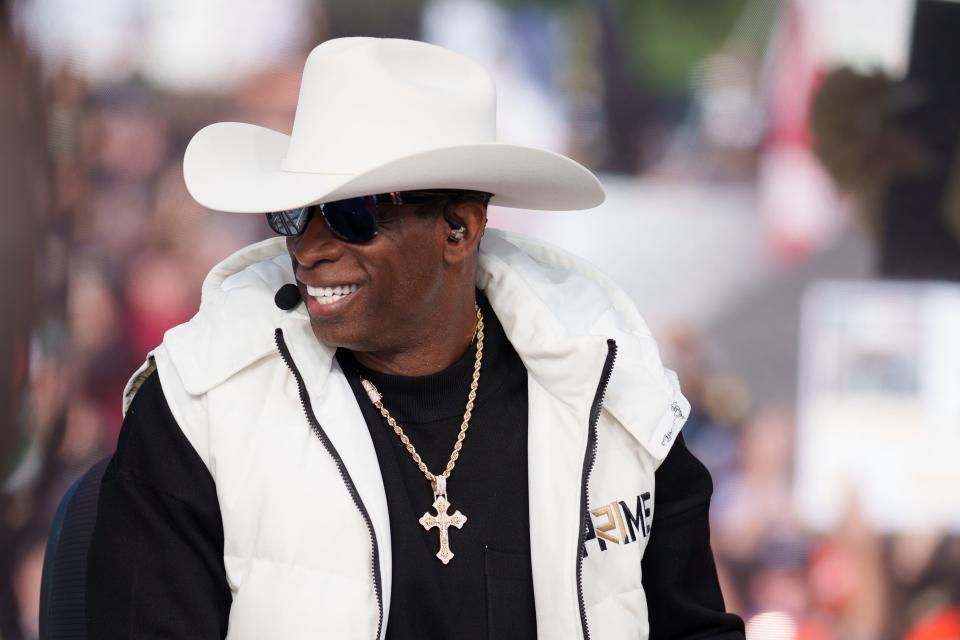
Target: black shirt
155,565
486,591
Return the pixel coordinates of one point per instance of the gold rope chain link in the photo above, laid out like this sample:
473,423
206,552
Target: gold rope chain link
478,333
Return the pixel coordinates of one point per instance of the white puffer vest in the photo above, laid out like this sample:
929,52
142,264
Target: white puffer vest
306,530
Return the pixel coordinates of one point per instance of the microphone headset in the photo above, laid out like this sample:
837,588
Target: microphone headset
287,297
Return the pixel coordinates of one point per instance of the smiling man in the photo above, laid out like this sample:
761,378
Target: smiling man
392,422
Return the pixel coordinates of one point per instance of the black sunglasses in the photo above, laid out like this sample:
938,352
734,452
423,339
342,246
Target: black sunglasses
355,220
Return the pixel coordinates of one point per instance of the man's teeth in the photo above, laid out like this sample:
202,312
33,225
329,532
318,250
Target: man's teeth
326,295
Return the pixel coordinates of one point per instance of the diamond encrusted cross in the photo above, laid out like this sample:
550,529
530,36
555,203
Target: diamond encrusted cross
442,520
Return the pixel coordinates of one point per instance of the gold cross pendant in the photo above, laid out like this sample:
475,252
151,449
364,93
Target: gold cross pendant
442,520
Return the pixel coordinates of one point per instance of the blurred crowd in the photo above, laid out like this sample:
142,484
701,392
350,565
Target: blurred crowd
122,256
136,251
787,581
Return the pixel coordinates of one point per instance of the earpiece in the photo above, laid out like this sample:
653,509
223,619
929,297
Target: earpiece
456,230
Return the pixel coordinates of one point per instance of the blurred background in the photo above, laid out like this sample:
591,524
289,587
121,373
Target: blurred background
783,206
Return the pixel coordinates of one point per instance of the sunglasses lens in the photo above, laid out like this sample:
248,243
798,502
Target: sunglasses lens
353,219
289,223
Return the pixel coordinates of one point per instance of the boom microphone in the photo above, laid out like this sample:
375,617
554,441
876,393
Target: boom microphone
287,297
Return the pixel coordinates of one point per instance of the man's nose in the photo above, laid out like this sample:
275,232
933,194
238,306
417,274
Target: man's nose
316,244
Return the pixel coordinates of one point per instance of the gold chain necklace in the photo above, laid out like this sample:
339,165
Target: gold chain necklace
442,520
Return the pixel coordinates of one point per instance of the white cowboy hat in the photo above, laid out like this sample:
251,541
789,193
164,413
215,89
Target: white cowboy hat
374,116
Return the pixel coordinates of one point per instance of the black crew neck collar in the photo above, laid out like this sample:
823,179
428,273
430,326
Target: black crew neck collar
441,395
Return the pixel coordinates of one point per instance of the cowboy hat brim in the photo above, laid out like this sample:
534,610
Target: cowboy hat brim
235,167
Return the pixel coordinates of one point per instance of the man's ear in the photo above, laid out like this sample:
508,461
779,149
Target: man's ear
464,223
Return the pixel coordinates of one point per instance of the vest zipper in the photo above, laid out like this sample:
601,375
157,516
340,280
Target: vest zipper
589,458
344,474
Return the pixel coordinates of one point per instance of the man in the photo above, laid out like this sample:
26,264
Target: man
378,426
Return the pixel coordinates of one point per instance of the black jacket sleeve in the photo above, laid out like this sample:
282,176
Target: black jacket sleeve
679,573
155,564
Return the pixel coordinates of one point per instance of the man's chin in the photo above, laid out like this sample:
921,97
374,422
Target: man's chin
329,333
338,333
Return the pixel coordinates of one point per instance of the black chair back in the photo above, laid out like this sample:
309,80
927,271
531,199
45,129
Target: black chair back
63,581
